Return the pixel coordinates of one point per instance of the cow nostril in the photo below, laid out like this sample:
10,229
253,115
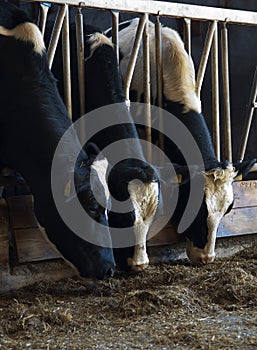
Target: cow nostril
207,259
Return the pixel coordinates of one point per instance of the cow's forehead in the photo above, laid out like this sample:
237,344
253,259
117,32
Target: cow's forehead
218,178
219,190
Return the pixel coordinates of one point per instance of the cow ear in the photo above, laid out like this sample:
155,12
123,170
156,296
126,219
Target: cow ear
244,167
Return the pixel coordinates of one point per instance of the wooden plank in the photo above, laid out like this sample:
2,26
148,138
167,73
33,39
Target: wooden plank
21,212
4,239
168,235
31,245
245,194
28,274
169,9
239,221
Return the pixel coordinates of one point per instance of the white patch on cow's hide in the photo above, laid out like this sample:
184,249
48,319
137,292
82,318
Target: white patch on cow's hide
95,41
178,67
218,196
144,198
100,166
27,32
178,72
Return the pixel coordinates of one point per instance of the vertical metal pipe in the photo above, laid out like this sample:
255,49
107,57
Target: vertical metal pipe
115,32
66,63
204,58
56,34
44,8
159,76
81,69
134,53
187,34
248,120
225,79
147,89
159,68
215,93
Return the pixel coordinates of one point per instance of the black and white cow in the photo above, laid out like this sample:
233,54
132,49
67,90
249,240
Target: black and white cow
33,120
104,87
180,99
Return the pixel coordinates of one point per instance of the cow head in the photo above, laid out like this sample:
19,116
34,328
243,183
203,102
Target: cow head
218,201
93,194
82,238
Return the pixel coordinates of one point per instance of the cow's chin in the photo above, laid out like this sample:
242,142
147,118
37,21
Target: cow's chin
198,256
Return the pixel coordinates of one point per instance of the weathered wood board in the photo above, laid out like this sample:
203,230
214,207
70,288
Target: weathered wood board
242,219
21,212
31,245
30,242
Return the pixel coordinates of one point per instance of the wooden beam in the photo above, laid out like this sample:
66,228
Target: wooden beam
21,212
173,9
31,245
240,221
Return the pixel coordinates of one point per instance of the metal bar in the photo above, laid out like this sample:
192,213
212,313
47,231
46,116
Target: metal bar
215,93
147,89
66,63
159,76
81,70
159,68
249,116
170,9
134,53
56,34
115,32
204,58
44,8
81,60
225,79
187,34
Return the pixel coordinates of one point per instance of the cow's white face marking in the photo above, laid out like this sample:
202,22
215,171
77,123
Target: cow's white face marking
96,40
218,197
178,67
144,198
100,166
27,32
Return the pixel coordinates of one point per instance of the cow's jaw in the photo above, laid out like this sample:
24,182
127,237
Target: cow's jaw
144,198
218,198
